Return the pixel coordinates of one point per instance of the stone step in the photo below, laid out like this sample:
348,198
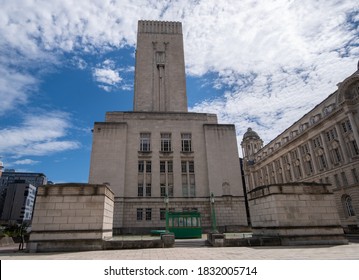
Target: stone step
190,243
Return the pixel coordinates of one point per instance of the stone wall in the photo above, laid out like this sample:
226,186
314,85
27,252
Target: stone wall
298,213
77,213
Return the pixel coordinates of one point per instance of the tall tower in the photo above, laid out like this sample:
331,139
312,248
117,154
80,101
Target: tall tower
251,144
160,84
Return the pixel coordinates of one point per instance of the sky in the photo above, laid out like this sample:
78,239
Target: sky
65,63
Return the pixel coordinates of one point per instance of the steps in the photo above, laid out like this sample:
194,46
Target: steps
190,243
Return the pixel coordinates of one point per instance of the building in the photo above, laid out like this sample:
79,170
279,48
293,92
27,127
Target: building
26,181
19,202
160,149
320,147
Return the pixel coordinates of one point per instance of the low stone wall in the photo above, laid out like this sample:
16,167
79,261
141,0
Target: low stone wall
73,216
297,213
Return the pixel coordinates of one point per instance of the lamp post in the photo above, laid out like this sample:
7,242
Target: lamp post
214,222
167,200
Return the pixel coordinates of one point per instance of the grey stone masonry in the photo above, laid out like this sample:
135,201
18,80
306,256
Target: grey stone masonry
72,212
298,213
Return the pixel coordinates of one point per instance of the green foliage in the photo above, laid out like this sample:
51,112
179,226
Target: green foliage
15,230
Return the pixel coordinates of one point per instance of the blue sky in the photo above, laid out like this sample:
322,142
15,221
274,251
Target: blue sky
259,64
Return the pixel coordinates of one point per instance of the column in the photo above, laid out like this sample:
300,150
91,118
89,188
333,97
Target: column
354,127
302,171
312,157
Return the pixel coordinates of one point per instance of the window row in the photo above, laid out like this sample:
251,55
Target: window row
146,213
165,142
145,166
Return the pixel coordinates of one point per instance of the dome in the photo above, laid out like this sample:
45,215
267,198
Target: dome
250,134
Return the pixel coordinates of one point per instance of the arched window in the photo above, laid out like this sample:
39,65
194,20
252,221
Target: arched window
348,206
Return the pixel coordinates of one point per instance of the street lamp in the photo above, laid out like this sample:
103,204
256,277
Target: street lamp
167,200
214,222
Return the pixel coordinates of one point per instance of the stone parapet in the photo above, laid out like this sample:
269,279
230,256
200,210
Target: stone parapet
65,213
298,213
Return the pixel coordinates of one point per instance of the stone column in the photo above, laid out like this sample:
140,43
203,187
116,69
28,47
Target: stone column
354,127
312,158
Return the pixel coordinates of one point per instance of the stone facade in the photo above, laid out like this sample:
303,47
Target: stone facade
68,213
162,149
321,147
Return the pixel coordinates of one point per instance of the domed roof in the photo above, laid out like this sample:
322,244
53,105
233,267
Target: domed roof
250,134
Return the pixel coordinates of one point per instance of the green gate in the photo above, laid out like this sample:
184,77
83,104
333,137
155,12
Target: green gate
185,224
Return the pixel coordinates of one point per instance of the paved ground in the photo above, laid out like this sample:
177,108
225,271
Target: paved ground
343,252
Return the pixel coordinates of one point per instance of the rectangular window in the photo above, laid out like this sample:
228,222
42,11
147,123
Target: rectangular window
354,148
166,142
317,142
148,167
162,166
139,214
336,155
346,126
186,139
140,190
162,214
145,142
331,134
141,166
184,166
148,214
148,190
355,175
191,167
322,162
163,190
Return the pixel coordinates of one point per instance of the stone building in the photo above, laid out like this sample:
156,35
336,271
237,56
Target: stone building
321,147
160,148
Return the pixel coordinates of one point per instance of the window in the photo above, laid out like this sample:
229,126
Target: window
331,134
166,142
322,162
148,166
148,190
186,142
139,214
148,214
162,214
188,179
140,190
354,148
346,126
145,142
348,206
336,155
141,166
317,142
166,178
355,175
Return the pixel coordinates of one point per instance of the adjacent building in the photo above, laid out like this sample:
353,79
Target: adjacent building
161,150
320,147
17,194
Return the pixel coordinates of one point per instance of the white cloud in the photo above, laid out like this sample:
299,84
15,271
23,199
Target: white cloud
274,60
38,135
25,162
107,76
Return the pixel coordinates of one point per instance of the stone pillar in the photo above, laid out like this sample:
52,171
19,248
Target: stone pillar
354,127
326,150
312,158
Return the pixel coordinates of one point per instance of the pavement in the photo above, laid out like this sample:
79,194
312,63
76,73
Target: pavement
340,252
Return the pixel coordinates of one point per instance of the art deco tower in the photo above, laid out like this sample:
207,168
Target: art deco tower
160,83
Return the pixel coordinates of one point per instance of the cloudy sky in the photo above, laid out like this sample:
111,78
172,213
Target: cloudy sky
63,64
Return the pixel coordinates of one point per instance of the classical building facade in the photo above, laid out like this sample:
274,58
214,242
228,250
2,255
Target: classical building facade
320,147
161,149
